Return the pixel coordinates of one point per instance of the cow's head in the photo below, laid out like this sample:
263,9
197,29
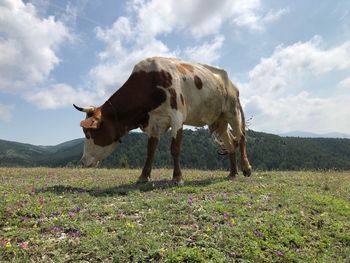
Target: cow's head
102,134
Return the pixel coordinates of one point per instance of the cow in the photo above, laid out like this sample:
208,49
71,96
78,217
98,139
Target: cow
163,93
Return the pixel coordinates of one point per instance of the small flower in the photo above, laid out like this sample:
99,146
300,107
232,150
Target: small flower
8,245
258,233
208,229
270,225
190,200
23,245
279,253
195,226
233,221
130,225
71,214
74,233
238,193
216,226
55,228
35,226
232,254
225,216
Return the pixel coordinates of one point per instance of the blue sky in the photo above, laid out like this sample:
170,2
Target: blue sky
290,59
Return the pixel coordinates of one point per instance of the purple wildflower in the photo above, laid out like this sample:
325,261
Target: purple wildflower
279,253
258,233
190,200
216,226
74,233
270,225
225,216
238,193
39,220
71,214
77,209
55,228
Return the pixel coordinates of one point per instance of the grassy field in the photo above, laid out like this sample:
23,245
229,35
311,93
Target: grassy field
100,215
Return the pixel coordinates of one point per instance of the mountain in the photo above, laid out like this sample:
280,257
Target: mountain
21,154
265,151
304,134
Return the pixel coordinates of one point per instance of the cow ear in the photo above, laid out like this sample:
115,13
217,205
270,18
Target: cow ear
90,123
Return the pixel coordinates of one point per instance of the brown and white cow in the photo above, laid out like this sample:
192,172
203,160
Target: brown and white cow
164,93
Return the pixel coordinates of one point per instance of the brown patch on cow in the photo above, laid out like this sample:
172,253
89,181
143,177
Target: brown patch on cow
198,82
139,95
93,120
175,152
151,149
173,102
164,79
187,67
181,69
182,99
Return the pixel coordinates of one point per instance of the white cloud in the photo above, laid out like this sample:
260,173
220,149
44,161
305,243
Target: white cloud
6,112
302,111
344,84
278,100
30,43
59,95
288,66
138,34
207,52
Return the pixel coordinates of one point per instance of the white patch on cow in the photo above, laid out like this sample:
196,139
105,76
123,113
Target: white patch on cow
202,106
94,153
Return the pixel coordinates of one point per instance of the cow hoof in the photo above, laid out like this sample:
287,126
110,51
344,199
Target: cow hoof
178,182
247,172
231,177
142,180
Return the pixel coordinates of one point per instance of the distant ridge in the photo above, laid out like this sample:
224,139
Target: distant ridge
265,151
304,134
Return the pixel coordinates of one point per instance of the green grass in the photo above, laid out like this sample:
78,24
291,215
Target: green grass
95,215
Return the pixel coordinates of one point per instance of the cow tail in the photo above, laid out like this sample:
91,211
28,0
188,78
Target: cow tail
243,129
243,125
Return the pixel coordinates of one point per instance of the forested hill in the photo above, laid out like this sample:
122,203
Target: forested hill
265,151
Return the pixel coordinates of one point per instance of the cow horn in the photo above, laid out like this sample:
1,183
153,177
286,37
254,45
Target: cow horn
89,109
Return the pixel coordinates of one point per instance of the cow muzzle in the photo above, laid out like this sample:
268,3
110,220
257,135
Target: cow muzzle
88,162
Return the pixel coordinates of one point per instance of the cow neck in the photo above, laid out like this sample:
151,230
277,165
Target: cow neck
139,95
122,112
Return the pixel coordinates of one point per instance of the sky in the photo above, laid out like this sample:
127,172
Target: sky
290,59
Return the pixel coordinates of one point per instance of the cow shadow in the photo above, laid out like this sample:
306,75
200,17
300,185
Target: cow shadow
125,189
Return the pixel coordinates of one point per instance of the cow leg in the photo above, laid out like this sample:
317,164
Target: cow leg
246,167
238,132
230,146
151,149
175,152
220,128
